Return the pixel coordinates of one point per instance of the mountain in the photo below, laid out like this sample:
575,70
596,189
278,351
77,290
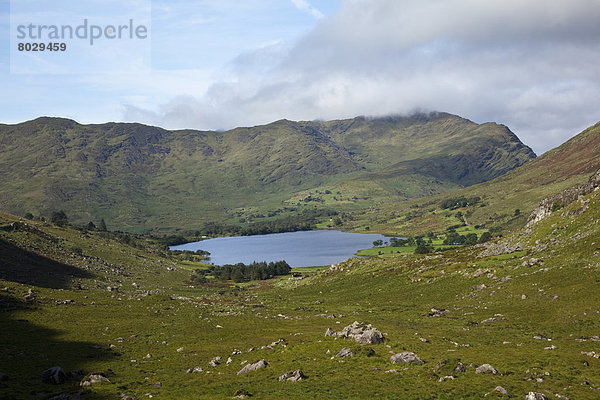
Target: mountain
505,201
139,177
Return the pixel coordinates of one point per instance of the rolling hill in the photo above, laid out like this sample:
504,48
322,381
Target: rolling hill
140,177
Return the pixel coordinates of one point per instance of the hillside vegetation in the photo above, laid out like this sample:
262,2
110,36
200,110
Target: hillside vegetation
140,177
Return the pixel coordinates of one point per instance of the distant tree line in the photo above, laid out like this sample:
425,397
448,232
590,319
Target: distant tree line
241,272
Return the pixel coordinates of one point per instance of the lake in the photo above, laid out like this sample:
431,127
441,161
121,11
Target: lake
299,249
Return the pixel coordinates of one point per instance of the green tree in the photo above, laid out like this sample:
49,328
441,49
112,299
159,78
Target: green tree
28,215
378,243
59,218
102,226
91,226
485,237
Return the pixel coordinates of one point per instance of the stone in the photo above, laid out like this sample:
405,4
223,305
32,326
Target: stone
194,370
253,367
292,376
498,389
535,396
460,368
55,376
30,296
344,353
437,312
407,357
215,361
485,368
363,334
94,378
329,332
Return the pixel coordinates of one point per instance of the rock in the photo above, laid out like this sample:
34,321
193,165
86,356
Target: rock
329,332
344,353
215,361
406,357
94,378
30,296
363,334
535,396
460,368
292,376
157,385
437,312
194,370
498,389
229,360
3,377
253,367
54,375
479,287
446,378
485,368
541,337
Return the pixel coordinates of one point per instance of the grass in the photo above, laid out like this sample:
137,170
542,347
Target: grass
182,326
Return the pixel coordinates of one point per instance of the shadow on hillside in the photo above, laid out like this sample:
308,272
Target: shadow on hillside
22,266
28,349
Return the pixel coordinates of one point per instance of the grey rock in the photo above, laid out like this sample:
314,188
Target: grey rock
30,296
54,376
485,368
253,367
215,361
292,376
535,396
437,312
363,334
498,389
194,370
329,332
460,368
406,357
94,378
344,353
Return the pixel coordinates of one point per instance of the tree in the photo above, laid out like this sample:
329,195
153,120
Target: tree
485,237
378,243
423,249
91,226
28,215
471,238
517,212
59,218
102,226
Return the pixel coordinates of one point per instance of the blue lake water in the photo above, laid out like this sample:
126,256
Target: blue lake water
299,249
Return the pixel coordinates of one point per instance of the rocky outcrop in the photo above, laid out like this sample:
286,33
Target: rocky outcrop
253,367
486,368
535,396
406,357
95,378
292,376
363,334
54,375
563,199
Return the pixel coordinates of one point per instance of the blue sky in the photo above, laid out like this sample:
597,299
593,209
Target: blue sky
217,64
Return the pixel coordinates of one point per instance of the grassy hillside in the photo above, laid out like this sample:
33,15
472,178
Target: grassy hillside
524,305
139,177
519,189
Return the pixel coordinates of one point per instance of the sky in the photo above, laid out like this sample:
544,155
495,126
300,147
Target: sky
532,65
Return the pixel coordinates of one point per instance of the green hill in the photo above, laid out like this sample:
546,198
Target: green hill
519,189
119,306
140,177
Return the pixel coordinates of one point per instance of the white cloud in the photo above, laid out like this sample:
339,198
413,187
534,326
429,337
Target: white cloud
532,65
303,5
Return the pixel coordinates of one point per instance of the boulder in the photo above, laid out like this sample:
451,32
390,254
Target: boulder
344,353
54,376
407,357
94,378
498,389
485,368
437,312
460,368
292,376
329,332
30,296
535,396
195,370
215,361
253,367
363,334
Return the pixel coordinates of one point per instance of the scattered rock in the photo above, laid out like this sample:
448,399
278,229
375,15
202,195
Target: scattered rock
344,353
157,385
535,396
363,334
479,287
437,312
229,360
215,361
498,389
94,378
194,370
406,357
30,296
541,337
329,332
253,367
292,376
460,368
485,368
54,375
446,378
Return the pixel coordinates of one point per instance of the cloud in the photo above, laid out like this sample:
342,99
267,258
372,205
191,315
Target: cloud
531,65
303,5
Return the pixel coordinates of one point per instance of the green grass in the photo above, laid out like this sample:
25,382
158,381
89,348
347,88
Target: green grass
394,293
